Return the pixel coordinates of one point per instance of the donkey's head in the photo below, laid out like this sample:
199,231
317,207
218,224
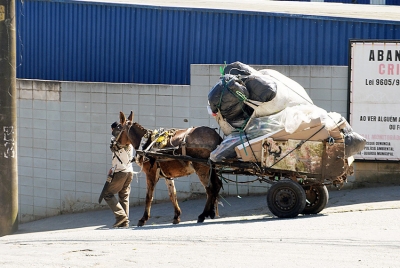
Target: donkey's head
120,130
129,132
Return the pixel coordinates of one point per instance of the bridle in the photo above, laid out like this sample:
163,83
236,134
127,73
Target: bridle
117,132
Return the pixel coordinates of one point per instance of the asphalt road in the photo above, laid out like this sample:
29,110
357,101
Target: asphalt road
358,228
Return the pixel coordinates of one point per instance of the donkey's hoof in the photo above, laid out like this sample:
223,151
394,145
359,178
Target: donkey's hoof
212,214
200,219
176,221
141,223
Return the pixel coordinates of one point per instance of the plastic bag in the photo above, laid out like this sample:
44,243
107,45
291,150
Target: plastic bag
239,68
302,114
288,93
354,143
226,97
256,127
260,88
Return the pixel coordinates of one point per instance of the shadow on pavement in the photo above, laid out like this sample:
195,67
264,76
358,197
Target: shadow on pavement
244,206
222,221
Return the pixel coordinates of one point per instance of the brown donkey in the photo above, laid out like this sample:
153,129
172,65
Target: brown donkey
197,142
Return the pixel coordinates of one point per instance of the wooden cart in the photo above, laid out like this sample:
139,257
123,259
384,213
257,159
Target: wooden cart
298,171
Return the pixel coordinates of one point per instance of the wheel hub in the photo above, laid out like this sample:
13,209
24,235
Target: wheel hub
285,199
312,197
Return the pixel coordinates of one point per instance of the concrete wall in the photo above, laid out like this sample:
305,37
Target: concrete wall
64,133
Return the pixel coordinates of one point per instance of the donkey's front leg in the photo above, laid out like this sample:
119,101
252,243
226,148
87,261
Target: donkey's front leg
151,180
172,196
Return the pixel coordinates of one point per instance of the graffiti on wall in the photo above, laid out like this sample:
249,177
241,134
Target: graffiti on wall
9,151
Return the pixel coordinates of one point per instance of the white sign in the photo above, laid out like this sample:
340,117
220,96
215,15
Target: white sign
375,97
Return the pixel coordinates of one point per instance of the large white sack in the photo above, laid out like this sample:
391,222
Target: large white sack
289,93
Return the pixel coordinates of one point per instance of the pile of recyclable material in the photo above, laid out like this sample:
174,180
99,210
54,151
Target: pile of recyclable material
251,105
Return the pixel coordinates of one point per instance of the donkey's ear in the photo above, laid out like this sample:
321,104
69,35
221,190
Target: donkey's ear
130,117
122,118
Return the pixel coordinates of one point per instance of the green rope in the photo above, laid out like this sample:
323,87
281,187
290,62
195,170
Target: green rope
242,142
221,69
237,187
225,200
220,98
219,174
242,98
240,95
251,148
237,183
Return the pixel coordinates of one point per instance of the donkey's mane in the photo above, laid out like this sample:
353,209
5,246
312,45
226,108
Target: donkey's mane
136,132
137,125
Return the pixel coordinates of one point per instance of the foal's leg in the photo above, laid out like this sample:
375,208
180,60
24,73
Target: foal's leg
151,180
172,196
212,184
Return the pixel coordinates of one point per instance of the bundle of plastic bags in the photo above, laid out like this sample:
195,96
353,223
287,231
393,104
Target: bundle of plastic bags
244,92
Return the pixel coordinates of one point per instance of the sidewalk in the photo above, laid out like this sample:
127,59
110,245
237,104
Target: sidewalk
245,234
339,201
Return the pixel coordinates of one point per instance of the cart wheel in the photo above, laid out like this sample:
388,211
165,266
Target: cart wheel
286,199
317,199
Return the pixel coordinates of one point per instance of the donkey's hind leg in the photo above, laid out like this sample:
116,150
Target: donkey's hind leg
172,196
212,184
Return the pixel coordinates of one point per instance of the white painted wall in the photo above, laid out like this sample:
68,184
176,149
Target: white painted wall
64,133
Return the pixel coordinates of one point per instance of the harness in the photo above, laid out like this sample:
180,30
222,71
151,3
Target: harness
183,143
159,139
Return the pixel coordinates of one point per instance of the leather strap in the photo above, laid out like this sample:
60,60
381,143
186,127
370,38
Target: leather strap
183,143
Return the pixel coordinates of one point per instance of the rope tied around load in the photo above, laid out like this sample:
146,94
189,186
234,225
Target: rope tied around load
238,94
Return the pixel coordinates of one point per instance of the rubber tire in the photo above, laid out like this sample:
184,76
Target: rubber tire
286,199
317,197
